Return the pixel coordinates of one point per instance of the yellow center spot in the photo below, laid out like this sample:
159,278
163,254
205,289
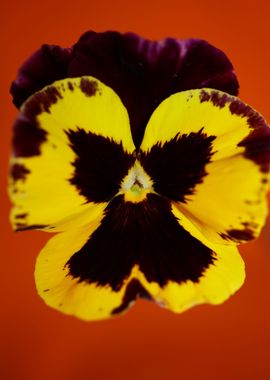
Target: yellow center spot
136,185
136,196
136,188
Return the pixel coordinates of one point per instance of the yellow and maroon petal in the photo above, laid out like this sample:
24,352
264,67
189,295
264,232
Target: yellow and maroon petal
88,301
223,276
84,271
210,153
144,249
72,147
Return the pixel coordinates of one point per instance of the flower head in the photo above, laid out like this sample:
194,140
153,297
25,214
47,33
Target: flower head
151,170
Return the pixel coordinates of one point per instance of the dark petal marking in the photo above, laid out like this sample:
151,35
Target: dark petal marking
204,96
41,102
237,235
255,120
70,86
179,165
21,216
89,87
18,171
145,234
100,166
217,99
257,143
45,66
27,137
133,291
24,227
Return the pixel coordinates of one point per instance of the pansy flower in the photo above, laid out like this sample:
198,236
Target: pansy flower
149,169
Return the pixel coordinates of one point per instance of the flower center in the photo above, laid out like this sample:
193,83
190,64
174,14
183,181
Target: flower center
137,184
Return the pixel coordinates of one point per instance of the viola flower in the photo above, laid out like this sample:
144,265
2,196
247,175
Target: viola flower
151,171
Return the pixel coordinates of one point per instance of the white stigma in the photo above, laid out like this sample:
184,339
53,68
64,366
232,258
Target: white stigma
136,180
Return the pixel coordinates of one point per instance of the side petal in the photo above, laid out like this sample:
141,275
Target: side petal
205,149
72,148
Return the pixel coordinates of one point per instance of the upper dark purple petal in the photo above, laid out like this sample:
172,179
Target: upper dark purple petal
46,65
141,72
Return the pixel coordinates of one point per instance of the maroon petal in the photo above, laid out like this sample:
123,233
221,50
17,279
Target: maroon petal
141,72
45,66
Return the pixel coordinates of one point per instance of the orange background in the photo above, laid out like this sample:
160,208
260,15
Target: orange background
228,342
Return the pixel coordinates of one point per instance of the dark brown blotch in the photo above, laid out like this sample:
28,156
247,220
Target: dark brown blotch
27,138
257,146
257,143
238,235
204,96
173,166
254,119
23,227
145,234
70,86
216,98
41,101
21,216
89,87
19,171
100,165
133,291
28,135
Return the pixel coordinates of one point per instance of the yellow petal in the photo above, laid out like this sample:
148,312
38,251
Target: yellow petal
210,152
61,291
146,249
218,282
230,205
72,147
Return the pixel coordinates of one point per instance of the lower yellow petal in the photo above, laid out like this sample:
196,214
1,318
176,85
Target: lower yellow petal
218,282
87,301
147,249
